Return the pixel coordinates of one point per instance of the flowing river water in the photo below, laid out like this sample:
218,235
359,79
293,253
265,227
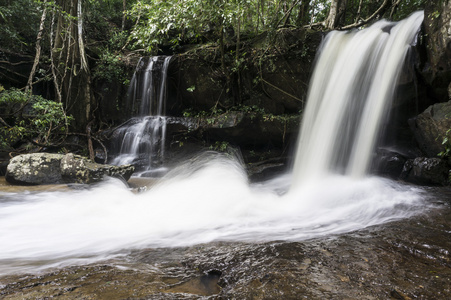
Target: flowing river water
203,229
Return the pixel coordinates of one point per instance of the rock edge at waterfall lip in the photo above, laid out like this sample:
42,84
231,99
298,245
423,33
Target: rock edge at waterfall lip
51,168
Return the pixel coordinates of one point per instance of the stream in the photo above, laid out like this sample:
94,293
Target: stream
326,230
204,256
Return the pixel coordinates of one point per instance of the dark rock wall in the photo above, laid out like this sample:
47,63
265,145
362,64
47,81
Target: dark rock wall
437,35
274,78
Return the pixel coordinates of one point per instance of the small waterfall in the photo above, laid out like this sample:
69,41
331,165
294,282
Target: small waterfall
351,90
141,141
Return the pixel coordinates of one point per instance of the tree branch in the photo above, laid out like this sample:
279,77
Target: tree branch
394,7
4,123
13,64
38,49
367,20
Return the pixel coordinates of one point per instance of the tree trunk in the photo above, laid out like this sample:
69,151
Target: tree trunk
38,49
336,12
124,8
332,17
303,16
71,68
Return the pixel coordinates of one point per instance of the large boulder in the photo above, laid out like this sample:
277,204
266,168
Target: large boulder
431,127
48,168
426,171
37,168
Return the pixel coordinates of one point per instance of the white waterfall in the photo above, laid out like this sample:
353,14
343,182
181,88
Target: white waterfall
350,92
142,141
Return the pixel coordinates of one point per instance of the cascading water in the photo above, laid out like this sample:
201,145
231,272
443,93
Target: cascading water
209,198
141,141
351,90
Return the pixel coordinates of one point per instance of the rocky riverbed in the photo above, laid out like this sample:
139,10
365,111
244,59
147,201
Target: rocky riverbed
406,259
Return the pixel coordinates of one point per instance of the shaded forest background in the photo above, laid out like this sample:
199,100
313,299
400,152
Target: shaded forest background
65,65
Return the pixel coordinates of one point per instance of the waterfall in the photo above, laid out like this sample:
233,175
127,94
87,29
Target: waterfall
209,198
141,141
350,93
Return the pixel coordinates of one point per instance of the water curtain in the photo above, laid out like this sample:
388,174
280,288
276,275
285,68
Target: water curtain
142,140
350,94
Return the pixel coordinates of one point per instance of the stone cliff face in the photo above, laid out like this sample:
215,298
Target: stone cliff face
254,105
437,34
273,76
431,128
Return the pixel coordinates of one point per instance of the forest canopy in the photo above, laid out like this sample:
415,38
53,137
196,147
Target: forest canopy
149,23
193,21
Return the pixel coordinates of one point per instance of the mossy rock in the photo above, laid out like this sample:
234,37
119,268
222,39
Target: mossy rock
49,168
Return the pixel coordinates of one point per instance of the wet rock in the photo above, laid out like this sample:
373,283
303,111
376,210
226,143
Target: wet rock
250,129
76,169
428,171
431,127
205,285
48,168
399,295
389,163
264,170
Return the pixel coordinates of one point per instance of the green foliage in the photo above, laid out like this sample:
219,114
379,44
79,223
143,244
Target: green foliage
189,21
13,96
221,146
250,109
30,117
446,142
47,116
156,19
109,68
20,24
175,22
214,112
103,20
407,7
9,135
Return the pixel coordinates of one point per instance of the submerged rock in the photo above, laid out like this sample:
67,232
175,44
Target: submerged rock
48,168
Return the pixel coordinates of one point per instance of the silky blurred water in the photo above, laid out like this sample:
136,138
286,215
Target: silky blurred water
199,202
350,96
